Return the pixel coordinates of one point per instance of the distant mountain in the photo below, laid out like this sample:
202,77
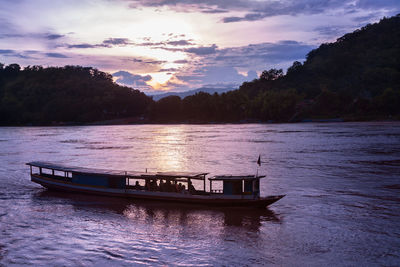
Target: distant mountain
193,92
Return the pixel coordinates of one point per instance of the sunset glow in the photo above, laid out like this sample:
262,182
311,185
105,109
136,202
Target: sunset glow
181,44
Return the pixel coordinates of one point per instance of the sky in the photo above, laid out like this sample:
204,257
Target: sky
171,45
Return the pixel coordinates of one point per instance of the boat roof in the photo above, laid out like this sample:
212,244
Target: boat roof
234,177
132,174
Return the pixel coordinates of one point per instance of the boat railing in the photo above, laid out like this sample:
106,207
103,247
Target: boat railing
217,191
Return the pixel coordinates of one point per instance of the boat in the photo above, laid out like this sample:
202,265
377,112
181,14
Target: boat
236,190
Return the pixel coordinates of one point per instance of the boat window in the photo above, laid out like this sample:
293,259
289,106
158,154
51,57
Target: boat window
232,187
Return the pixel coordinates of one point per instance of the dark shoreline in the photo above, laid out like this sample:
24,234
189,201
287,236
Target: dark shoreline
124,122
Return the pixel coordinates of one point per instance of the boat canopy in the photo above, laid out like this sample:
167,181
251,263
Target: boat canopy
130,174
234,178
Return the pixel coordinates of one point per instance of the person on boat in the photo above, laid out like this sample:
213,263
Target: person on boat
169,187
153,185
182,188
162,186
137,186
191,188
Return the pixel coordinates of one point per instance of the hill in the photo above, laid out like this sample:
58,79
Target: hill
355,78
71,94
192,92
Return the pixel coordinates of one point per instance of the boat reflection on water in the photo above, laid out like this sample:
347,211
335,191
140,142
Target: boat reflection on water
160,213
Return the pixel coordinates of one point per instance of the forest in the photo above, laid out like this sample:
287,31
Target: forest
355,78
70,94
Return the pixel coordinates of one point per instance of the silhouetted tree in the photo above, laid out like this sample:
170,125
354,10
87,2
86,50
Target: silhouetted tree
271,75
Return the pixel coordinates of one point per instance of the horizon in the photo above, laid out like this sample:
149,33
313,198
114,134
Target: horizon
177,46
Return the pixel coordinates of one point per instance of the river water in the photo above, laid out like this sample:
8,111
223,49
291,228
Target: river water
341,180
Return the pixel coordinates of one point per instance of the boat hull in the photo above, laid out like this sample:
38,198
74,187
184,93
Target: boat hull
208,200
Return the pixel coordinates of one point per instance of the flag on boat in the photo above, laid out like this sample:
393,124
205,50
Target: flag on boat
259,160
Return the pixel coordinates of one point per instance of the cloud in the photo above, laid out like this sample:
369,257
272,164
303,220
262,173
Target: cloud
154,62
48,36
182,61
214,11
231,19
111,42
258,10
330,31
56,55
373,4
82,46
107,43
179,43
54,36
6,51
202,50
168,70
132,80
117,41
216,75
234,65
192,5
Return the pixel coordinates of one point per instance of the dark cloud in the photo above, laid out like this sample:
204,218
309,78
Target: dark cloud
214,11
192,5
110,42
6,51
215,75
31,51
154,62
267,53
56,55
179,43
151,44
374,4
257,10
11,35
331,31
223,65
367,18
148,61
54,36
82,46
48,36
18,54
168,70
132,80
202,50
231,19
182,61
117,41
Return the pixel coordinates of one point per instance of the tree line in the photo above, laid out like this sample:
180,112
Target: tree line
70,94
357,77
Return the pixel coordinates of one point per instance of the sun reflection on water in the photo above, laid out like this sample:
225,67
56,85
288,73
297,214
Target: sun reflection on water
169,149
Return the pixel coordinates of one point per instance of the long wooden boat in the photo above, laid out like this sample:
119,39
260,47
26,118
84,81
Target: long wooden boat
243,190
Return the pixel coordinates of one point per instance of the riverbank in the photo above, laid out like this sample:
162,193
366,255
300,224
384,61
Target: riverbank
144,121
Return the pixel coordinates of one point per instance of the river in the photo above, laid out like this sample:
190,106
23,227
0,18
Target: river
341,181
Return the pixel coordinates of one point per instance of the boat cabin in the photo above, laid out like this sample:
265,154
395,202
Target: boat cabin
149,181
237,185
